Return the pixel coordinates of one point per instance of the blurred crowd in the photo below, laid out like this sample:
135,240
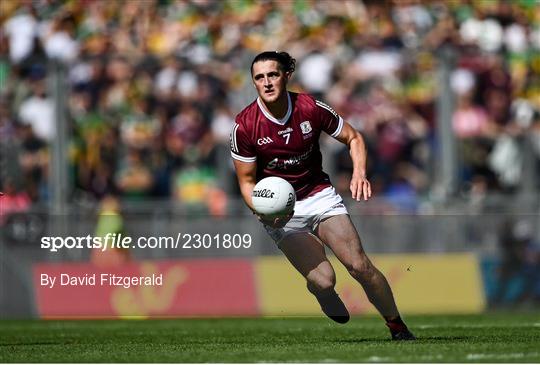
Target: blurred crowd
153,87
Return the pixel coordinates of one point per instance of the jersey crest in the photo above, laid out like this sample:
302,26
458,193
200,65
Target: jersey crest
306,127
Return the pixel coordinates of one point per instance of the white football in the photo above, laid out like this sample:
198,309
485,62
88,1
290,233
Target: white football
273,196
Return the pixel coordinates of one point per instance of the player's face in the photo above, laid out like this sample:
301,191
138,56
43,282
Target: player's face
269,80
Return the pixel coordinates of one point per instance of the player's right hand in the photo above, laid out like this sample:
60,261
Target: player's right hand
275,221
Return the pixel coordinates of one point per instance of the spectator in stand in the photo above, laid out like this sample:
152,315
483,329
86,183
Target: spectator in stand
156,62
13,200
134,178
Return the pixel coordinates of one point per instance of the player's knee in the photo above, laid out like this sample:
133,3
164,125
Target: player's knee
321,282
361,269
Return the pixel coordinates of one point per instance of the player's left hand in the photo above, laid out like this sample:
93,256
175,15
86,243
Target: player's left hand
360,187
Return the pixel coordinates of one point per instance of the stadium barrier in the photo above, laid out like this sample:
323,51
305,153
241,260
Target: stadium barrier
266,286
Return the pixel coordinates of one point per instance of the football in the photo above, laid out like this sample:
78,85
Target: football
273,196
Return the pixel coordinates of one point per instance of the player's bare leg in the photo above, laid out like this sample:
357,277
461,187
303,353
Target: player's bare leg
341,236
306,254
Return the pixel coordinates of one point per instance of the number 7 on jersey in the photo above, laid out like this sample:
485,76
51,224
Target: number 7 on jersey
287,136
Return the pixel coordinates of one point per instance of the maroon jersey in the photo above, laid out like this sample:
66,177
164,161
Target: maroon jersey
287,147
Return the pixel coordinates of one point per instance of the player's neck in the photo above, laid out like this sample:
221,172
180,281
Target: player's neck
279,108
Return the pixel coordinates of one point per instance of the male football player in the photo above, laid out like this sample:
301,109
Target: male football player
278,135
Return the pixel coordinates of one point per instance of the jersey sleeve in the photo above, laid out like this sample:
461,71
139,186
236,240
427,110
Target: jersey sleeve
331,121
241,147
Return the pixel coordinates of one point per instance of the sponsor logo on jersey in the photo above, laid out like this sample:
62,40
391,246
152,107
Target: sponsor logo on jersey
276,163
263,193
272,164
288,130
264,140
305,126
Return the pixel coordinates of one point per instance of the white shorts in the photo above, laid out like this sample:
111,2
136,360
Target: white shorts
309,212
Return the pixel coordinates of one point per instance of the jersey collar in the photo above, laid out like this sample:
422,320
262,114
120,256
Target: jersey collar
281,121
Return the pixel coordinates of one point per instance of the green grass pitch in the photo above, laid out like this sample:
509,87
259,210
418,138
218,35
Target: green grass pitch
481,338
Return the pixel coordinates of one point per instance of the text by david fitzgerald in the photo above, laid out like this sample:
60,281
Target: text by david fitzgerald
103,279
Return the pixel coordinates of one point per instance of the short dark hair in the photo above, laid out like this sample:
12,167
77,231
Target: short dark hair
285,61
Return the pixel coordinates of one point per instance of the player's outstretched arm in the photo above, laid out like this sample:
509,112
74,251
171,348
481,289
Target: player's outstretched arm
360,186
